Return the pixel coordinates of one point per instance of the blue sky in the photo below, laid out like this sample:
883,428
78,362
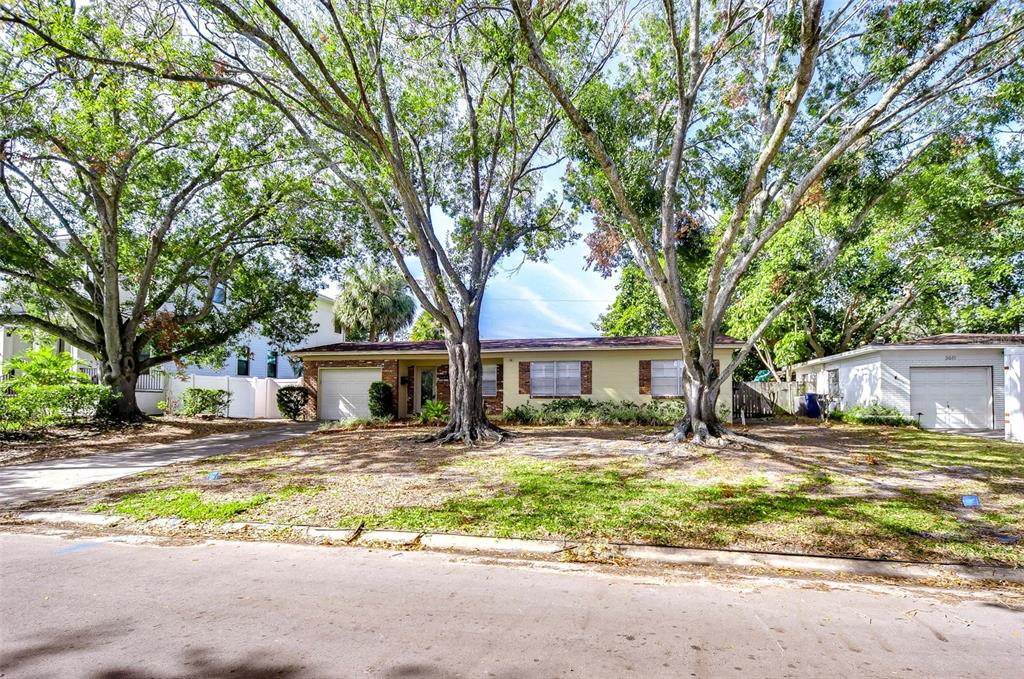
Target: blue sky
556,298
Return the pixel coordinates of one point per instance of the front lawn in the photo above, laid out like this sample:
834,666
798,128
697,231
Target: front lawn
848,490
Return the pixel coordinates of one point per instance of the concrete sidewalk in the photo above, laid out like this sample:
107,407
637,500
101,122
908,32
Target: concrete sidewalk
22,483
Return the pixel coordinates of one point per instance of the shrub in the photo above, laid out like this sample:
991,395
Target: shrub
570,405
433,412
874,413
196,401
45,367
582,411
37,406
382,400
292,400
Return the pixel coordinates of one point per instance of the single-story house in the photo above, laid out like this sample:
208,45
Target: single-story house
516,371
951,381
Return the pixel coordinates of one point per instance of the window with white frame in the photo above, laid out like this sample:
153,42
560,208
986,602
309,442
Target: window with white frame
666,378
490,379
555,378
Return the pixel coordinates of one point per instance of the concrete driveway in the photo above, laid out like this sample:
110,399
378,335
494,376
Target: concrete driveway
23,483
99,610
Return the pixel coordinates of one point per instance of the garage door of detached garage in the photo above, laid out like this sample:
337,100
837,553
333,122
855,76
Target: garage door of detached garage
952,398
345,392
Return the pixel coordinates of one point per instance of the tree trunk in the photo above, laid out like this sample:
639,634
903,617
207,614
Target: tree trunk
467,418
701,418
125,407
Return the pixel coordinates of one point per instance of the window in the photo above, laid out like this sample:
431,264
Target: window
555,378
833,383
272,364
243,362
666,378
220,294
490,379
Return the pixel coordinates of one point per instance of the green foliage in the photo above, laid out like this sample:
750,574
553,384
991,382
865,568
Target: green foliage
28,406
211,402
426,328
374,304
46,367
582,411
875,413
382,400
636,311
433,412
128,200
46,390
291,401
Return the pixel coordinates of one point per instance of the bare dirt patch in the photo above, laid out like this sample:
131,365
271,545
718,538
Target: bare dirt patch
78,441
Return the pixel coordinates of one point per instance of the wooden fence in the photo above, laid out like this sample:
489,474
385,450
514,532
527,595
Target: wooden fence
764,399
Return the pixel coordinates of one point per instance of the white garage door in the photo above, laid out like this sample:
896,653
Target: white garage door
345,392
952,398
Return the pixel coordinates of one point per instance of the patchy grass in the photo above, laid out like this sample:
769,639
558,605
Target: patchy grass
847,490
546,500
179,503
922,450
193,505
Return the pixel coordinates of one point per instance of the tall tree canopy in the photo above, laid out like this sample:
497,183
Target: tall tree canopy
431,128
374,303
146,221
738,117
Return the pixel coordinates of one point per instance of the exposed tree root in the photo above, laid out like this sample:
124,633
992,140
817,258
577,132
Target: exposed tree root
718,436
481,433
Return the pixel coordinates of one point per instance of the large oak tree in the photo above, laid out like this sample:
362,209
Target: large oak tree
734,116
145,221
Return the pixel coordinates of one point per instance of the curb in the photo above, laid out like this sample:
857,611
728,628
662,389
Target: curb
644,553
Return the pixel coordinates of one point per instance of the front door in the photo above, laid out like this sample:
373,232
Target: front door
428,386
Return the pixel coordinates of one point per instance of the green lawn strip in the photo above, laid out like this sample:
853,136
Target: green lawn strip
551,499
911,448
193,505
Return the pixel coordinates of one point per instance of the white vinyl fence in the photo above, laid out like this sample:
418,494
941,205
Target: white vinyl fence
251,397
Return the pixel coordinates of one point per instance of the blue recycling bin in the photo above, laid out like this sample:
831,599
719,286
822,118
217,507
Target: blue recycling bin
811,405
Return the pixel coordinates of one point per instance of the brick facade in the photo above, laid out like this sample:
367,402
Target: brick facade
442,385
411,388
311,378
524,377
495,405
645,377
586,377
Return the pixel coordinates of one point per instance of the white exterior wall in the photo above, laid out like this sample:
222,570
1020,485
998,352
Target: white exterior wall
251,397
1013,393
896,365
323,317
860,379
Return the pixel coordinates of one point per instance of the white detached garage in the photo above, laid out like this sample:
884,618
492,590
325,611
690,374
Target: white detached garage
946,382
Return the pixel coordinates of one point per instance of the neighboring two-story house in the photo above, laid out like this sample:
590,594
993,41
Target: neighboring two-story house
259,359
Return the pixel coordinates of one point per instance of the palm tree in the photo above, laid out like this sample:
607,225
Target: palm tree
373,303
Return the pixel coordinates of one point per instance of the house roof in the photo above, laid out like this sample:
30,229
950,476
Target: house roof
949,339
526,344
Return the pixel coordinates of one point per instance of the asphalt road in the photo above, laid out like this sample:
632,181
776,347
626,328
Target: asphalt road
102,610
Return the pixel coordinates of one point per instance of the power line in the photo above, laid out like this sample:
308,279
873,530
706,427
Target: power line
548,299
